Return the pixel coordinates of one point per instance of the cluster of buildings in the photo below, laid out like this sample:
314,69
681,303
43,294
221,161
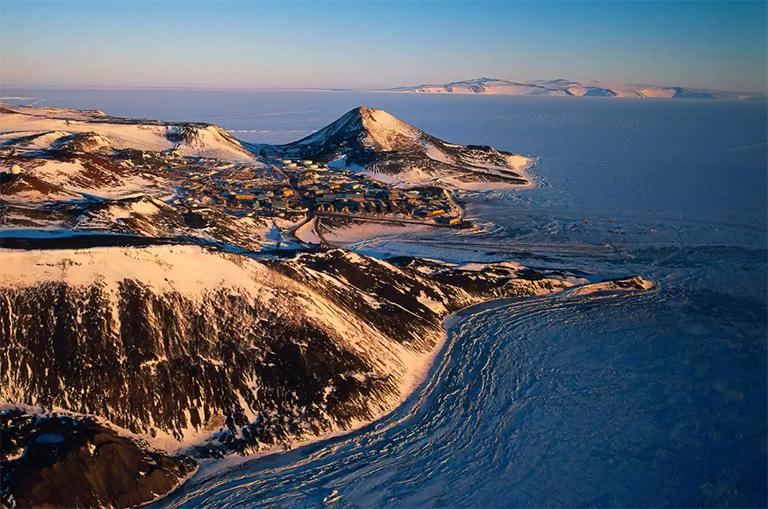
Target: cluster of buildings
298,186
341,191
238,188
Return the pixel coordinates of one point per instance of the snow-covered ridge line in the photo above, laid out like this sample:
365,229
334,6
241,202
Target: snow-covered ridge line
365,139
52,128
567,88
382,319
258,355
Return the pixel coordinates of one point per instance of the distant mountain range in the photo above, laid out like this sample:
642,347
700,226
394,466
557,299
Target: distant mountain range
563,87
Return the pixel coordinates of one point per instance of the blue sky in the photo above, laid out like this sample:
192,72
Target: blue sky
721,45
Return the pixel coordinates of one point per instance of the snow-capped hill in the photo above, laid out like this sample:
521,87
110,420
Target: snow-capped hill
376,142
86,174
51,112
33,140
206,140
127,215
563,87
187,309
488,86
367,128
89,131
83,142
149,217
58,140
30,190
256,353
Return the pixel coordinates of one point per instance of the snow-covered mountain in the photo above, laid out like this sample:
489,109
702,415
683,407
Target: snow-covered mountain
139,333
110,178
562,87
388,149
205,352
95,131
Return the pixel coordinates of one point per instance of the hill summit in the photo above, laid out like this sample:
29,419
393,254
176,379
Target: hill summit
378,143
368,128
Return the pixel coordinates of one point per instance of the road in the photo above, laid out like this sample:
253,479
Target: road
384,219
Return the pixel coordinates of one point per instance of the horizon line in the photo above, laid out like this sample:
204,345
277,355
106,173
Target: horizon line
347,89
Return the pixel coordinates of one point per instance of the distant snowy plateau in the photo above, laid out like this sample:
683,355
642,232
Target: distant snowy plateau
563,87
143,334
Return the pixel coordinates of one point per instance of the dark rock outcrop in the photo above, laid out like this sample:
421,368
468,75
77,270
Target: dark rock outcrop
59,461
